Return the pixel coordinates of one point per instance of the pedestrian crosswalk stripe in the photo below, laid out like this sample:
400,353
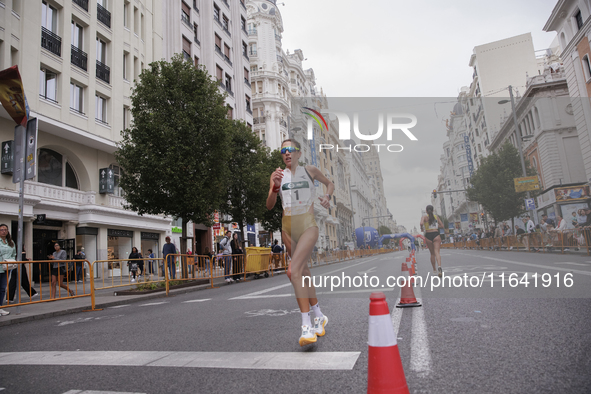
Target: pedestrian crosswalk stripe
205,299
97,392
313,361
155,303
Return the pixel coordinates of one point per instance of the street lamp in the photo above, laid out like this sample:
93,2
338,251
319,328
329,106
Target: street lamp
517,136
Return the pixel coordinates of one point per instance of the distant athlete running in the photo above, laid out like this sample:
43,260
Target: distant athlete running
430,224
299,229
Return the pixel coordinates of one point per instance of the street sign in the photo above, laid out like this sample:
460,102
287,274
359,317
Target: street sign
526,184
7,157
530,204
106,181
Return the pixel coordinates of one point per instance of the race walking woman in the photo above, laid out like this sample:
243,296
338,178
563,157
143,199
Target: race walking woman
299,229
430,224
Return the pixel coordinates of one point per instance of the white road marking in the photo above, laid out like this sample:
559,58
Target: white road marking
119,306
420,356
205,299
533,265
367,272
271,312
396,317
97,392
568,262
313,361
258,294
155,303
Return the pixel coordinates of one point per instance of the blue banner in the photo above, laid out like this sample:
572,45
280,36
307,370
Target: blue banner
469,155
464,217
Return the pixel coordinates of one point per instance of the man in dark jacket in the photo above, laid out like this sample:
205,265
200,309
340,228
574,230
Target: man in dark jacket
169,248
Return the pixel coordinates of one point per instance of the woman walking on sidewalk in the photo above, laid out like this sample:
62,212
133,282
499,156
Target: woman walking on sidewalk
58,270
299,229
7,251
430,224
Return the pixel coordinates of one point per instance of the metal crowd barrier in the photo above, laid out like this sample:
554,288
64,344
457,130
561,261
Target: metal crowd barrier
116,273
32,270
545,242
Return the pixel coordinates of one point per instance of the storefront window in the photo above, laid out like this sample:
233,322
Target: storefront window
118,248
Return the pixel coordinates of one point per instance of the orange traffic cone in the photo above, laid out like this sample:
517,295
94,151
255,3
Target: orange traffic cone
407,294
384,367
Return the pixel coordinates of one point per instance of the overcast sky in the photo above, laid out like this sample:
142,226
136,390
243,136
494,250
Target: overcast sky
393,48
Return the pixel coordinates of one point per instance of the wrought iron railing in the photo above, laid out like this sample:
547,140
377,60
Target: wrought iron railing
252,32
219,50
249,110
79,58
259,120
195,6
51,41
82,3
252,53
227,59
103,15
197,41
185,18
103,72
245,54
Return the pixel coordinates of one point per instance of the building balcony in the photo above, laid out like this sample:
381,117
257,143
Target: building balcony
197,41
185,19
252,32
219,51
79,58
249,110
247,82
252,53
245,54
103,15
277,37
227,59
82,4
225,28
51,41
226,3
283,123
195,6
227,88
259,120
57,195
103,72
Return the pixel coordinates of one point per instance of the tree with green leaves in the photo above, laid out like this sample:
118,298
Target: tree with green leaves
174,153
271,219
249,163
493,187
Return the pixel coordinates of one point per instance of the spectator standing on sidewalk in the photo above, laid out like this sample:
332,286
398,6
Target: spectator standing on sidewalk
133,264
57,270
151,262
226,248
167,249
277,251
237,252
7,251
12,288
79,265
587,226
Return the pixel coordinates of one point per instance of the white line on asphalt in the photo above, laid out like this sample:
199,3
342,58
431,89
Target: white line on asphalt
533,265
568,262
155,303
99,392
257,294
206,299
118,306
396,317
420,357
313,361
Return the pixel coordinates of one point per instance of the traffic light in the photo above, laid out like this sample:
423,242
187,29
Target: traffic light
434,193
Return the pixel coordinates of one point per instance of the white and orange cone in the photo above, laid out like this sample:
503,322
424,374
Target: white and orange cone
384,368
407,294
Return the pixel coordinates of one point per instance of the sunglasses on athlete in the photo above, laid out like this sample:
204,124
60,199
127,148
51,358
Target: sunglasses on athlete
289,149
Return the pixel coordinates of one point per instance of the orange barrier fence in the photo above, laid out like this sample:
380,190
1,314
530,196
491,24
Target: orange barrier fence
109,274
551,241
60,273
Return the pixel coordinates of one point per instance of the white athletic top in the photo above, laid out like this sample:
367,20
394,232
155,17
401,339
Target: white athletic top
297,191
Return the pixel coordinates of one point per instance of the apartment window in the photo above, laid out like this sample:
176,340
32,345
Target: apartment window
228,83
136,21
103,72
53,168
125,63
479,149
219,73
48,17
586,68
227,51
216,12
143,27
117,191
246,76
101,50
185,13
48,86
195,6
125,117
230,112
186,49
218,43
126,14
243,24
79,58
101,109
579,20
103,15
225,22
248,105
196,61
253,68
76,97
253,49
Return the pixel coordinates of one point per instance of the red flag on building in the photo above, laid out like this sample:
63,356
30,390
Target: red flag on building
12,95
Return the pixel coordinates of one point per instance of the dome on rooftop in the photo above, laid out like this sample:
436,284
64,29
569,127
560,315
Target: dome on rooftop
458,110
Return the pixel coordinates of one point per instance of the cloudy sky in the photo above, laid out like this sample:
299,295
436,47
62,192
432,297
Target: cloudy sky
394,48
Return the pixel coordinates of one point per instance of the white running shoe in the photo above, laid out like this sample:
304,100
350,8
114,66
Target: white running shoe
308,336
319,323
133,281
4,313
